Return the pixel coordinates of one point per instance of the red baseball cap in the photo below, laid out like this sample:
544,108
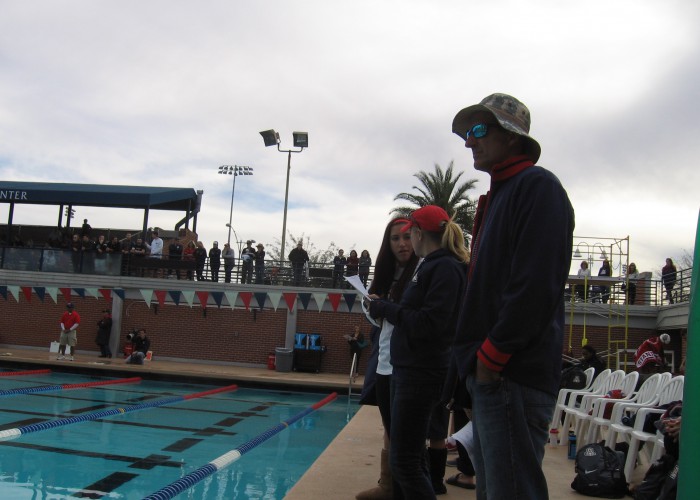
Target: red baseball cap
428,218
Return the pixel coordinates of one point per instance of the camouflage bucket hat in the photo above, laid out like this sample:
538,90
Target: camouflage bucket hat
510,113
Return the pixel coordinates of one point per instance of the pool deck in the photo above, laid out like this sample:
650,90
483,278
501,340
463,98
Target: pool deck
349,464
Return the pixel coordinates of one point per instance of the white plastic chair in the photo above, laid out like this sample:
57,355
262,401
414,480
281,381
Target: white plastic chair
618,381
645,396
564,393
670,390
584,421
638,435
598,390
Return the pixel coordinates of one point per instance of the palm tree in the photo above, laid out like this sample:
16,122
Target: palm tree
442,189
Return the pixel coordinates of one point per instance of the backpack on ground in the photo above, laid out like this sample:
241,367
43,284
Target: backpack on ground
600,472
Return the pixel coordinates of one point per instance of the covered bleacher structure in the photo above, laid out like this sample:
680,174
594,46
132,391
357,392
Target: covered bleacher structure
67,195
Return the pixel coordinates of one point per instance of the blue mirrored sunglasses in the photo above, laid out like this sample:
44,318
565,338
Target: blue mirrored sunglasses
477,131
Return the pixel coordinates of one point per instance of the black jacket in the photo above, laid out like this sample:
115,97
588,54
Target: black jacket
425,319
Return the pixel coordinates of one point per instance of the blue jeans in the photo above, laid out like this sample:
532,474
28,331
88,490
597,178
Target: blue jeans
510,432
411,406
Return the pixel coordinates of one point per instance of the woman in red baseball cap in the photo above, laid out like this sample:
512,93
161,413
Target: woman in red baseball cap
425,321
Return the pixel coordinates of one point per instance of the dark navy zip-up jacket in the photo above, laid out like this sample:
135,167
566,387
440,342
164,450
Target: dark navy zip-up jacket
512,316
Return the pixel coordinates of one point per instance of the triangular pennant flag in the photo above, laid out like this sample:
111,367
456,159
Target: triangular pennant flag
106,293
291,299
52,292
66,293
3,291
92,292
350,299
40,292
246,298
175,296
160,295
203,297
80,292
334,299
119,292
14,290
231,297
320,298
261,297
147,296
218,297
274,299
189,296
305,299
27,291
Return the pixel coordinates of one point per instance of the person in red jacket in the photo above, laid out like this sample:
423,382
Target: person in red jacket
70,321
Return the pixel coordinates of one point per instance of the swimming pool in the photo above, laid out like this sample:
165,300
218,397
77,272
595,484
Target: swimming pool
134,454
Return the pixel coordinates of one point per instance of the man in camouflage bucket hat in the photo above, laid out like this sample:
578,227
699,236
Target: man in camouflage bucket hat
511,114
509,336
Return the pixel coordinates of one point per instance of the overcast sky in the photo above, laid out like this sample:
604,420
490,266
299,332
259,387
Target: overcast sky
163,92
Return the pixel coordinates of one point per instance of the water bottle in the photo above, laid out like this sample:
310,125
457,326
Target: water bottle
553,437
572,446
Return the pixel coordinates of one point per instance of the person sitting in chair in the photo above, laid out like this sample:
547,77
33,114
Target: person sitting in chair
142,345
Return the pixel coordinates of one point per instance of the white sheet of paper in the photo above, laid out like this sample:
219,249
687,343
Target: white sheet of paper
357,285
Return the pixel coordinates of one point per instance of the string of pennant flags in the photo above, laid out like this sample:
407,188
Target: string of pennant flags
177,296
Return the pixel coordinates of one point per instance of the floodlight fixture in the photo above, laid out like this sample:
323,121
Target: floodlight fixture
270,137
301,141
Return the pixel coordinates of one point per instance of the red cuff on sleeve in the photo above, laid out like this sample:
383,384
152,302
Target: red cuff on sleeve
493,358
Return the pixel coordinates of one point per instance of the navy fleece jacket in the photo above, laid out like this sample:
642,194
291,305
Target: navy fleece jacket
512,316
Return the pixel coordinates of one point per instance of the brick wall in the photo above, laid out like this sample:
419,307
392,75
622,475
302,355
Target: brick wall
221,335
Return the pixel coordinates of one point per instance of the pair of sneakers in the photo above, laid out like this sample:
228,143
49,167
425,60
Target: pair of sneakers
61,356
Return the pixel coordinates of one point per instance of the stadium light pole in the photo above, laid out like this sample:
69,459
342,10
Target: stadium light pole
301,141
235,171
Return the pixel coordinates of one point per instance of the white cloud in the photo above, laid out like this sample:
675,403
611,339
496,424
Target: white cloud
162,93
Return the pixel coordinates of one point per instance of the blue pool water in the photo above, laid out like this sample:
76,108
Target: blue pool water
132,455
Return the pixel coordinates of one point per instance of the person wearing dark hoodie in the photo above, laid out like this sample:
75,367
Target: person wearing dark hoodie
510,334
425,322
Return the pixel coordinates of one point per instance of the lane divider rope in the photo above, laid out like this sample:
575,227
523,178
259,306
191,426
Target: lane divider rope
26,372
227,459
42,426
65,387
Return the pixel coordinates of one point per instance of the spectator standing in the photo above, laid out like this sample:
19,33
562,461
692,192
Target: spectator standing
259,264
114,247
392,274
425,323
175,251
142,344
200,259
86,229
70,321
339,262
155,247
510,334
364,266
357,343
104,332
229,257
604,290
188,255
584,273
353,264
248,258
668,277
101,246
215,261
298,257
